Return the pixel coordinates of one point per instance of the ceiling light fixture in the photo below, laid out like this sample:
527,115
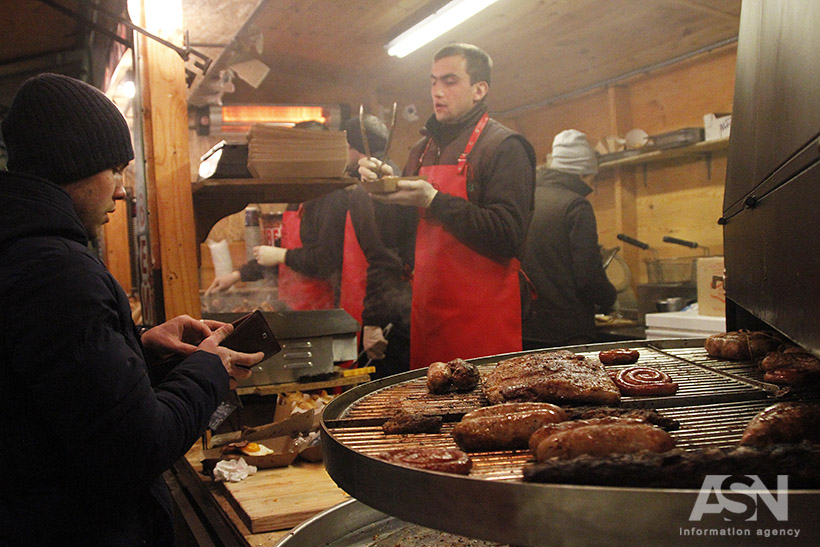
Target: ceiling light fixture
449,16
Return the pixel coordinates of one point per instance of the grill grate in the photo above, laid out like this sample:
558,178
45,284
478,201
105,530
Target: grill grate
713,410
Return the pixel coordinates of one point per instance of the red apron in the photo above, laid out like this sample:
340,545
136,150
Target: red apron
354,274
464,304
298,291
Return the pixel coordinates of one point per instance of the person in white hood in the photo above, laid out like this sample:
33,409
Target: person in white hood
563,259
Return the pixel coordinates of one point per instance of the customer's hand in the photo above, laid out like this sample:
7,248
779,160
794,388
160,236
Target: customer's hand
268,255
178,336
415,193
374,342
236,363
372,169
223,282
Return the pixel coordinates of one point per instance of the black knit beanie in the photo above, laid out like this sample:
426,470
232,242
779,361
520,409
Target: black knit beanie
64,130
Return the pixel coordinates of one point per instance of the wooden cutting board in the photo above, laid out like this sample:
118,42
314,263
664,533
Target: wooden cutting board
281,498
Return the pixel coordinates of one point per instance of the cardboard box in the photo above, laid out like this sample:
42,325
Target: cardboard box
711,294
716,126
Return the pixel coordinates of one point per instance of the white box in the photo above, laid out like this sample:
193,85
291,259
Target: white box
711,292
682,324
716,126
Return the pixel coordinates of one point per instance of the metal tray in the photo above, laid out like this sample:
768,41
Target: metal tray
493,504
354,524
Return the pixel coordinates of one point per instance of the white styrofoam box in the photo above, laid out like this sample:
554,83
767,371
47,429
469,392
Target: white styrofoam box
716,126
683,324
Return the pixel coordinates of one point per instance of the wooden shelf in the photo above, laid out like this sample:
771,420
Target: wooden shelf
217,198
703,148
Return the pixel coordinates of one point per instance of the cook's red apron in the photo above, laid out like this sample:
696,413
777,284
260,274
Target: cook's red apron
354,274
464,304
298,291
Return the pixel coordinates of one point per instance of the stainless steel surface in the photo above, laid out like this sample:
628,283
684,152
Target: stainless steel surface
493,504
353,524
312,341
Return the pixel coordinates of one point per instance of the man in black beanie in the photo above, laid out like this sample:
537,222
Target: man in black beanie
381,299
89,424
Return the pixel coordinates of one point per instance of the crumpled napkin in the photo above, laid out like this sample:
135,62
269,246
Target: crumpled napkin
233,470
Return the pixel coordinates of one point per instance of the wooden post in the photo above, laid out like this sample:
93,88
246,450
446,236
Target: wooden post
626,211
165,115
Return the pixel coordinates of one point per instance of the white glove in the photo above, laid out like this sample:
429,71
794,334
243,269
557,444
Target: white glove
267,255
224,282
369,169
374,342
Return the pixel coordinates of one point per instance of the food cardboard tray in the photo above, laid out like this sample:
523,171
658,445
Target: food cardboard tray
284,452
385,185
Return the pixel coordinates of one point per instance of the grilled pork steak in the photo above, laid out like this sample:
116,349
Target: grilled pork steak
783,423
556,376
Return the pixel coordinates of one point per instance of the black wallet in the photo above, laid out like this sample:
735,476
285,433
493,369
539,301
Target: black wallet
251,333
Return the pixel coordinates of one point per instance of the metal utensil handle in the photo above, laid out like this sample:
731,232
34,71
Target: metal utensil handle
633,241
389,135
676,241
364,135
385,332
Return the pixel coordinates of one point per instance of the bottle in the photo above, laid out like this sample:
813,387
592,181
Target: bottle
253,234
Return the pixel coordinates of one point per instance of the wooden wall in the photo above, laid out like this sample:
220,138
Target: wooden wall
681,198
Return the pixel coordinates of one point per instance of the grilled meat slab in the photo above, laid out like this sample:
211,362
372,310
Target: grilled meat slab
684,469
405,422
445,460
556,376
647,415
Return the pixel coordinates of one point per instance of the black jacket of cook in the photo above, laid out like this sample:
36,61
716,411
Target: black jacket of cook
86,431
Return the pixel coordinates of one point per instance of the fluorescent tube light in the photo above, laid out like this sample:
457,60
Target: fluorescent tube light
449,16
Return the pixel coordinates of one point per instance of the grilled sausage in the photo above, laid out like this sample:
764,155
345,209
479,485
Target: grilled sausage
499,430
644,381
512,408
438,377
601,440
464,375
783,423
550,429
619,356
742,344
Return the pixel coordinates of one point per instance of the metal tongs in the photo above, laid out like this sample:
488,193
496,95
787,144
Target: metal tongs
389,137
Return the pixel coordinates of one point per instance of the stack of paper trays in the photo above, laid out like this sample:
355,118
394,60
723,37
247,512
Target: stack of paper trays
287,152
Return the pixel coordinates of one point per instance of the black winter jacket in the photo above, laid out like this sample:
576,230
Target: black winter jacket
563,261
85,434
